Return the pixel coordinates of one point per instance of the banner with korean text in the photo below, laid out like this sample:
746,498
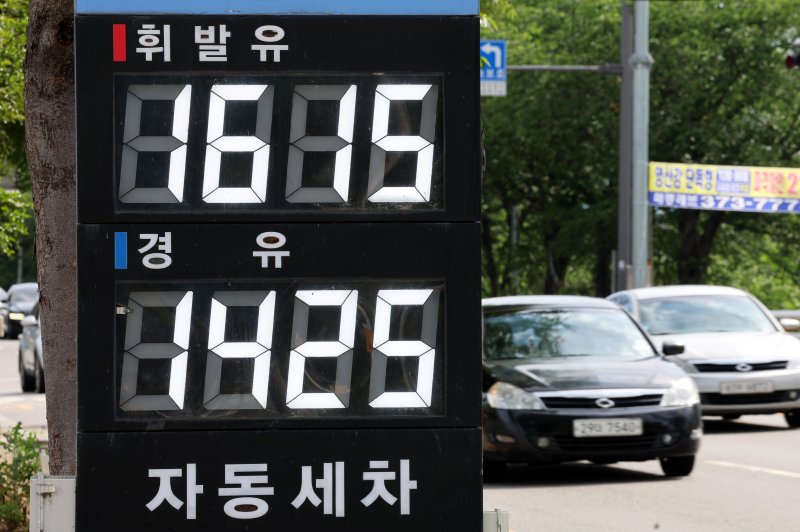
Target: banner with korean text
724,188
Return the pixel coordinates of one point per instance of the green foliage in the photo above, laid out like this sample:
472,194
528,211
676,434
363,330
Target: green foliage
15,211
492,8
19,461
551,148
719,94
15,206
13,25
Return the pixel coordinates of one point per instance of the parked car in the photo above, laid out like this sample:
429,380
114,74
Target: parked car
570,378
789,319
740,356
3,312
21,299
31,363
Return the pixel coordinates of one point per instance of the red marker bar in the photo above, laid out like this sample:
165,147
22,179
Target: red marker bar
119,43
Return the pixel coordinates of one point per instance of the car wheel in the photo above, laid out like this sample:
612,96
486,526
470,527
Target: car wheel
677,466
38,376
493,471
792,418
27,382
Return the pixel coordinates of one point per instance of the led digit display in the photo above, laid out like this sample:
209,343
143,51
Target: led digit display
193,350
278,142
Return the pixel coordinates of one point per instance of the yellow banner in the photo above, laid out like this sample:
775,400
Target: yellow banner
718,187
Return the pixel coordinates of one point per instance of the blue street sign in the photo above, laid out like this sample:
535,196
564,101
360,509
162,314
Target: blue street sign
493,68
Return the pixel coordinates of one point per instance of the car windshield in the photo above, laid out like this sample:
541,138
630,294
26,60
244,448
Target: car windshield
535,334
699,314
24,295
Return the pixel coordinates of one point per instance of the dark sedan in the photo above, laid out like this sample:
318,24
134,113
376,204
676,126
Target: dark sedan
574,378
21,299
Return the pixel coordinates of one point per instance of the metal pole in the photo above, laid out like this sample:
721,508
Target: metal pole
641,62
623,256
19,264
607,68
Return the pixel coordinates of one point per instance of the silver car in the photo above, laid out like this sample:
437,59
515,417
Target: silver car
31,363
737,352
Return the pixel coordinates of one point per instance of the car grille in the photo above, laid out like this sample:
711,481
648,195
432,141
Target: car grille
759,366
746,399
560,402
611,443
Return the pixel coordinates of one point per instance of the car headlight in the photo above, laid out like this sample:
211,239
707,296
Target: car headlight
683,392
508,397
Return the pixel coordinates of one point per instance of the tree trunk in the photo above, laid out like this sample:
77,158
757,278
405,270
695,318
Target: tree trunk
697,240
511,273
50,139
602,269
557,265
490,265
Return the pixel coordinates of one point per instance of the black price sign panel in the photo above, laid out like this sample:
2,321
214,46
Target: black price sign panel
303,325
288,118
278,265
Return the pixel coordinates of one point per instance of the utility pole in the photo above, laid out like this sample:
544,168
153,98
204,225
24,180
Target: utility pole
622,260
641,62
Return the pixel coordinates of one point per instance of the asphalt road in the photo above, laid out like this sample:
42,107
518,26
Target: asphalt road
15,406
747,478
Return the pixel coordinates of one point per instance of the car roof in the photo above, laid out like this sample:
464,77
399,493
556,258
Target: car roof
548,301
23,286
786,313
677,290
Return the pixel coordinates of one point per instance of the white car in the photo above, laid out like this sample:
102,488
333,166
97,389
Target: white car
737,352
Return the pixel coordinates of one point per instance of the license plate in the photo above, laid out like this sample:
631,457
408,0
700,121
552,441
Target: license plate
591,428
739,387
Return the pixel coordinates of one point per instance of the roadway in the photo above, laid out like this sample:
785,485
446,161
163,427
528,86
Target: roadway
15,406
747,478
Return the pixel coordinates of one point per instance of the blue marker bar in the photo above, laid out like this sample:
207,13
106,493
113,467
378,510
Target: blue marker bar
120,251
282,7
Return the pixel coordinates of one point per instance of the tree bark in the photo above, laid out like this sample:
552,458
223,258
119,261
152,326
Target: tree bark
697,240
50,147
490,265
557,265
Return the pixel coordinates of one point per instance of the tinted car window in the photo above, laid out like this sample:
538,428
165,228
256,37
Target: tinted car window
571,332
696,314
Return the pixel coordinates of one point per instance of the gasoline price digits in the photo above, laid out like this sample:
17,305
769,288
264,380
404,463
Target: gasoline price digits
396,121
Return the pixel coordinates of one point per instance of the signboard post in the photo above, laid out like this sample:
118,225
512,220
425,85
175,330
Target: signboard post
278,265
493,68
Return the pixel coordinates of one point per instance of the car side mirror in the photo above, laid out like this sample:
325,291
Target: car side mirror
790,324
29,321
672,348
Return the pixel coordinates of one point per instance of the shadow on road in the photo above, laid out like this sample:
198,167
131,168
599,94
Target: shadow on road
524,476
719,426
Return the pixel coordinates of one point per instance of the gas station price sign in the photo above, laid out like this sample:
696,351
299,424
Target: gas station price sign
278,264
